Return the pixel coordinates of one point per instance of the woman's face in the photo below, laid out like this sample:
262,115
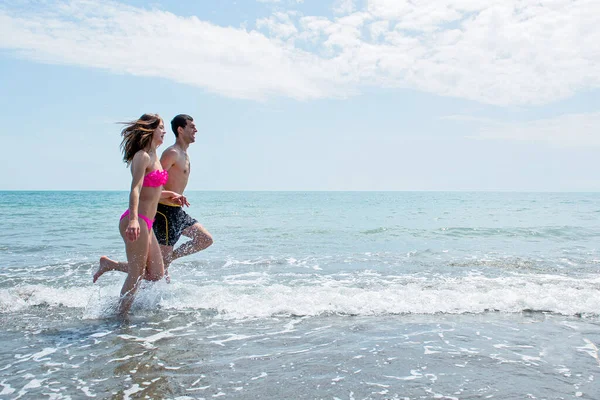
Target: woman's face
158,136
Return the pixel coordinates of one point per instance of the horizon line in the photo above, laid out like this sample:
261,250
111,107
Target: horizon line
325,191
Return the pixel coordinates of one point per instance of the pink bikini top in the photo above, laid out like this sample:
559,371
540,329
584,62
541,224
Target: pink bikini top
156,178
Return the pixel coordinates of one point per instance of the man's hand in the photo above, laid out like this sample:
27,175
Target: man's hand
177,198
184,201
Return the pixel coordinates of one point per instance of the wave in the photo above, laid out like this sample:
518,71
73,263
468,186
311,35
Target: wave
368,293
458,232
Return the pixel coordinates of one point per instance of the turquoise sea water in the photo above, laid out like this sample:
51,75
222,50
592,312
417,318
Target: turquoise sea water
347,295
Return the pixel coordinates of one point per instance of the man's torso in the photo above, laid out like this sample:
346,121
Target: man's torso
179,172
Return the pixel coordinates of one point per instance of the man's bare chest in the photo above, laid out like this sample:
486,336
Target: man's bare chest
183,166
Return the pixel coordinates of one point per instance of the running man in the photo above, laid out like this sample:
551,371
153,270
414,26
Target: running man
171,220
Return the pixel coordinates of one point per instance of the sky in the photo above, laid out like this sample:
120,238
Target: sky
383,95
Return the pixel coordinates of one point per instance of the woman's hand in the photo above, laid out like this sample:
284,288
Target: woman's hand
132,232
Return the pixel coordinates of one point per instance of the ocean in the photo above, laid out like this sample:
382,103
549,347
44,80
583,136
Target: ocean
309,295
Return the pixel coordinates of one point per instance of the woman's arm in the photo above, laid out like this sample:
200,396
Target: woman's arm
138,168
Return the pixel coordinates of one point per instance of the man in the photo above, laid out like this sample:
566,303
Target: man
171,220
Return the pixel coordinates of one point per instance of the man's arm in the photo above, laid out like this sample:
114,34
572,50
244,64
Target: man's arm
168,158
174,198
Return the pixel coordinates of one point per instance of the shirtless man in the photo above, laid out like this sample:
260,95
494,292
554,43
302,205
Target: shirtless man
171,220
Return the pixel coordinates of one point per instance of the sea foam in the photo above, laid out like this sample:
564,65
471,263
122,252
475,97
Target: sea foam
364,293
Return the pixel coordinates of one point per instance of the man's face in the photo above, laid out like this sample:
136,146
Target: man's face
189,132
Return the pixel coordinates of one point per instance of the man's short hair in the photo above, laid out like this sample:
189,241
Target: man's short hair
180,121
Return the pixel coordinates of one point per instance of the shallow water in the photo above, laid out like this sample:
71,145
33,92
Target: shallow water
162,354
309,295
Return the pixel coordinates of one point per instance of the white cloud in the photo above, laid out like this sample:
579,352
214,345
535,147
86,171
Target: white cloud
569,130
507,52
280,25
343,6
233,62
425,15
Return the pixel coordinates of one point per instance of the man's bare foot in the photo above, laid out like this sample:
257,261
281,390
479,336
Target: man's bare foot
105,266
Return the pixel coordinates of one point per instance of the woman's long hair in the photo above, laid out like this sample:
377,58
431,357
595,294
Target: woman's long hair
137,135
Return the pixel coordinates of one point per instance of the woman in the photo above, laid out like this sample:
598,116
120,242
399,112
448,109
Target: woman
144,259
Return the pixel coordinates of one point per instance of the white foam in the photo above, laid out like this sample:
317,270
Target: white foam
6,389
127,357
159,336
591,349
426,296
366,293
39,356
100,334
132,390
22,297
33,384
262,375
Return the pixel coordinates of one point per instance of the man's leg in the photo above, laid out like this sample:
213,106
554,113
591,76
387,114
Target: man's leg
201,239
164,232
167,254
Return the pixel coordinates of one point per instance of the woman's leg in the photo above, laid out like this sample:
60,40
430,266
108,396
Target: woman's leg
137,254
106,264
154,265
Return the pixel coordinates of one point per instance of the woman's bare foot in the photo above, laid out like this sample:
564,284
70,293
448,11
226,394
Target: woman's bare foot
106,264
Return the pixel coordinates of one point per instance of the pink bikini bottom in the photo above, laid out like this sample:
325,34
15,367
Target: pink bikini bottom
149,221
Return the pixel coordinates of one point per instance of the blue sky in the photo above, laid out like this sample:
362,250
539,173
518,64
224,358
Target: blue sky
307,95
